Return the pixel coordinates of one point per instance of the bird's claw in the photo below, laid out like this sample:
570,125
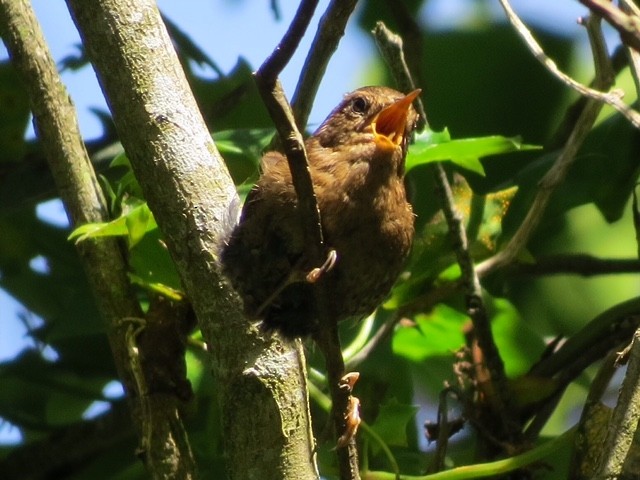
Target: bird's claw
351,422
348,381
314,275
352,412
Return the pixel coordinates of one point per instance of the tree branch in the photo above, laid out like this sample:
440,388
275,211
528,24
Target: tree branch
559,170
57,128
330,30
391,46
195,204
585,265
633,54
624,421
628,26
613,98
327,336
276,102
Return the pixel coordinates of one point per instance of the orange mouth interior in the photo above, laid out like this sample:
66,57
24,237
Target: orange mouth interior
390,124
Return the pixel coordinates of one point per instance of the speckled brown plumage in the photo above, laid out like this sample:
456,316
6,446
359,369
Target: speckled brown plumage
356,160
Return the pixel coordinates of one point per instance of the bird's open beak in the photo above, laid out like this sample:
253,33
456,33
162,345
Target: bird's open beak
390,124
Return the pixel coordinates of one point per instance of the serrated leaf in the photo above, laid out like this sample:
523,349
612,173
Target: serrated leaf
432,146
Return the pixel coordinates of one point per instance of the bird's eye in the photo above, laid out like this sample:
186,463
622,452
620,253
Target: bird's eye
359,105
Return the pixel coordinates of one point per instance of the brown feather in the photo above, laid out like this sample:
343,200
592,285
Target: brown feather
365,217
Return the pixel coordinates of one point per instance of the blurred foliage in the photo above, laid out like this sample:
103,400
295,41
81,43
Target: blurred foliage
479,83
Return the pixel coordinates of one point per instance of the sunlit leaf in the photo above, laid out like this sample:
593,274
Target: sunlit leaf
134,224
153,266
495,207
432,146
139,221
436,333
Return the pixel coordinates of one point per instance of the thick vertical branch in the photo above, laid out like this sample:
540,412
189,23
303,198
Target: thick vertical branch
165,449
266,424
624,422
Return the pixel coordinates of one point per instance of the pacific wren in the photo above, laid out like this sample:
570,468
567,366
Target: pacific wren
356,161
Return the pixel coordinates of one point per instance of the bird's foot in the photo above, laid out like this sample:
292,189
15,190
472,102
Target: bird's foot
351,422
348,381
314,275
352,412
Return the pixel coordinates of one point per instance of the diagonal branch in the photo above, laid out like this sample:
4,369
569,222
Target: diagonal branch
585,265
276,102
613,98
390,46
330,31
627,24
327,336
507,427
559,170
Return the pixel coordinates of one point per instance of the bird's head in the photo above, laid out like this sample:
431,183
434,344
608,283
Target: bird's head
370,119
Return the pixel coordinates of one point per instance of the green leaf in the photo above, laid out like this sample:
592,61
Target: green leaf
134,223
519,345
242,150
436,333
153,267
432,146
138,221
116,227
391,423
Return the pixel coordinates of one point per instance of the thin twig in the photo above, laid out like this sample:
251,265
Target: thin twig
275,63
619,61
381,334
413,38
292,142
628,26
330,30
501,400
442,442
390,46
613,97
633,54
585,265
558,172
326,336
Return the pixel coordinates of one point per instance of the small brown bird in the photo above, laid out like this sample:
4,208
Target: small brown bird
356,160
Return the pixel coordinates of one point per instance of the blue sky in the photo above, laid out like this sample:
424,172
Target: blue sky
226,29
